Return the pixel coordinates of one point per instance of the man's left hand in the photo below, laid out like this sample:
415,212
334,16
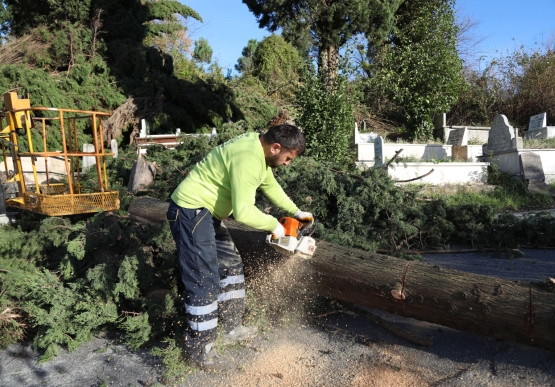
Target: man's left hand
304,216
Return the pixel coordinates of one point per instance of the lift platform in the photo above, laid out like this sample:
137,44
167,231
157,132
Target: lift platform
52,181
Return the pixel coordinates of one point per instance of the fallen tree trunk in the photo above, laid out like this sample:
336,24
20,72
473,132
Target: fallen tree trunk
484,305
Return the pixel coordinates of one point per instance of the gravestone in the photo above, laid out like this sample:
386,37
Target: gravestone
440,123
531,167
359,138
145,129
88,161
114,147
538,121
538,129
502,136
458,137
379,159
533,174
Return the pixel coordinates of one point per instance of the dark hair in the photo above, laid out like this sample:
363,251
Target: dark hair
288,136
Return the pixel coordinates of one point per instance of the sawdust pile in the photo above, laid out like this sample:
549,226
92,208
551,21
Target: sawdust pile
309,356
282,289
299,359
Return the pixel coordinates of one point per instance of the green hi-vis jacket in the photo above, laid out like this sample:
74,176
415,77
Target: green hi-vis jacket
226,180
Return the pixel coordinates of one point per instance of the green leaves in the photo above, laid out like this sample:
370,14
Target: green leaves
419,70
326,102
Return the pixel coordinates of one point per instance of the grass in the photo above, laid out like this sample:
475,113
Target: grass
539,143
501,199
434,160
509,195
474,141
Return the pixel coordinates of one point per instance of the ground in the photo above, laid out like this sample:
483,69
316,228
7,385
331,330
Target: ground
330,349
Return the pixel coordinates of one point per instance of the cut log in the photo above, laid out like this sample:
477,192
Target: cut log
507,310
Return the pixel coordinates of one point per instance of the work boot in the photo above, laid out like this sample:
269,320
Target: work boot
240,333
209,360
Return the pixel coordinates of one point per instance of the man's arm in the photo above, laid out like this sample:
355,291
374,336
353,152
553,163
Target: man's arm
244,180
275,193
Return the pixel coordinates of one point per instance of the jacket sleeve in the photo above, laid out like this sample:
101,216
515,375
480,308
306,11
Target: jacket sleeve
275,193
244,178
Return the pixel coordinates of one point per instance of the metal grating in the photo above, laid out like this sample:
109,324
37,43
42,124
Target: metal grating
59,205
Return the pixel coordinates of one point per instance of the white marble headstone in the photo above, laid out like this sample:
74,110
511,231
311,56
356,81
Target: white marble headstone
145,129
538,121
88,161
114,147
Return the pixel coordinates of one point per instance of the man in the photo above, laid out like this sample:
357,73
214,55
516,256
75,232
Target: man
225,182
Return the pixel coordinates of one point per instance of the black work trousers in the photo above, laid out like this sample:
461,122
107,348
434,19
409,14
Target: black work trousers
212,272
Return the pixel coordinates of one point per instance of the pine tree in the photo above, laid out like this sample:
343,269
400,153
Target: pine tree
418,68
331,23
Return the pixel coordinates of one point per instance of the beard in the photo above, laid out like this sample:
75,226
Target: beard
273,161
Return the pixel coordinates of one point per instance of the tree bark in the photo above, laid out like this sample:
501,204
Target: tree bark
508,310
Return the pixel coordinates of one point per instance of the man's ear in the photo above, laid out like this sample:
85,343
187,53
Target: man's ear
275,148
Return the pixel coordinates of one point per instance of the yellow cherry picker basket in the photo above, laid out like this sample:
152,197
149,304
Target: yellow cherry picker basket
48,181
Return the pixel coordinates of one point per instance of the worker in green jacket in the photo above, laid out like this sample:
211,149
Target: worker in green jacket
225,183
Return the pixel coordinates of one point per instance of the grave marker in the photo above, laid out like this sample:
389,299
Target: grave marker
114,147
538,129
538,121
378,152
440,121
88,161
533,174
502,136
458,137
531,167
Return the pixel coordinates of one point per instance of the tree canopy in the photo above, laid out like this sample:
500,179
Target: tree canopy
331,23
418,69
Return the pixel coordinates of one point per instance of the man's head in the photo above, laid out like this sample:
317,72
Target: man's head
281,144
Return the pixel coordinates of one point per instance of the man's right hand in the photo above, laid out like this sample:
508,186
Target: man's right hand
278,232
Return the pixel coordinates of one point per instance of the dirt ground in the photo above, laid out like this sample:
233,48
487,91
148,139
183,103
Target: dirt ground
330,349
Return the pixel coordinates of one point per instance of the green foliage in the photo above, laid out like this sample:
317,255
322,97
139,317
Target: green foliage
137,328
331,25
419,70
202,51
482,99
256,106
245,62
519,85
365,209
327,117
175,365
23,15
96,62
276,64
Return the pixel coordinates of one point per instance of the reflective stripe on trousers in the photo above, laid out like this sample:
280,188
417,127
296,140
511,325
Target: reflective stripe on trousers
211,271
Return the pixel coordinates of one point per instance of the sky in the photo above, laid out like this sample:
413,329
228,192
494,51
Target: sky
501,26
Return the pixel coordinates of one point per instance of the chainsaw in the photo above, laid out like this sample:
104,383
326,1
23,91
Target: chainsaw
297,239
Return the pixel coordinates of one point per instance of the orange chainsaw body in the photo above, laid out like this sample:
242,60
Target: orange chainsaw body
291,226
